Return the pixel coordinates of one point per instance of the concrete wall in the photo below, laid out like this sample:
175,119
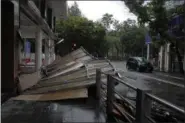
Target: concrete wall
164,58
30,56
161,58
8,72
59,8
184,59
167,58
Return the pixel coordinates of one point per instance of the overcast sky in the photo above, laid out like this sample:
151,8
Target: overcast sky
95,9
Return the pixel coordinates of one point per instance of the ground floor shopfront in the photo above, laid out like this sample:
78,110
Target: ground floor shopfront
21,22
168,61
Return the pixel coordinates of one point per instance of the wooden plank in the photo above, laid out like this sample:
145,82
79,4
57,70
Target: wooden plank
124,112
115,112
28,80
59,95
55,88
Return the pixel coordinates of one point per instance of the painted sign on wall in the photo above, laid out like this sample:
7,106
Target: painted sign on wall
147,38
27,47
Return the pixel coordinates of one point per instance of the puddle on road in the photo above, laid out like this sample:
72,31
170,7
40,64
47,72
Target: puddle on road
168,92
171,93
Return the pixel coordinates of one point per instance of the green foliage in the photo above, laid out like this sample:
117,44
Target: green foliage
107,20
74,10
126,38
82,32
158,17
133,38
97,37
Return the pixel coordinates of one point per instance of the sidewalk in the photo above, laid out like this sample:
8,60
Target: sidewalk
171,73
174,75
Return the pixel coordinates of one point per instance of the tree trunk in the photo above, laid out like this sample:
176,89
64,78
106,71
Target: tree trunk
108,54
112,52
122,51
143,51
117,54
179,57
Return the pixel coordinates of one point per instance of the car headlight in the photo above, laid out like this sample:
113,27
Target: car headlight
141,64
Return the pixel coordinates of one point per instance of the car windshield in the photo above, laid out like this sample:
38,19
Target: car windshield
141,59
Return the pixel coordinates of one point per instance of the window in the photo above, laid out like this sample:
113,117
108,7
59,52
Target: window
49,17
43,8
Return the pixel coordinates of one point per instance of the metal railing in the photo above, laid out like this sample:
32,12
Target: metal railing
143,103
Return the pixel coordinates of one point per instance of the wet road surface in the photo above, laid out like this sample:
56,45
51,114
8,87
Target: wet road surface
51,111
166,86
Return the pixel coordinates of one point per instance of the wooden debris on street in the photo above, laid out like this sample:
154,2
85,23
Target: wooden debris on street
65,75
58,95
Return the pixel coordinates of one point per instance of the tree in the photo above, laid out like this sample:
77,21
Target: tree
82,32
74,10
114,44
126,38
158,18
132,38
107,20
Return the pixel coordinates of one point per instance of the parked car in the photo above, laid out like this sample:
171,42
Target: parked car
139,64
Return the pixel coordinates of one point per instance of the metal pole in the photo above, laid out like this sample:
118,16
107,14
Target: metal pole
20,53
24,50
46,52
143,106
98,83
184,60
148,51
143,51
38,49
110,94
166,103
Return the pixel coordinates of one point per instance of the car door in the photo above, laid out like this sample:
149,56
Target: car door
128,63
131,63
134,64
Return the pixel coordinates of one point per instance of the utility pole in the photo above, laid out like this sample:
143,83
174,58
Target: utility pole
143,51
148,51
148,41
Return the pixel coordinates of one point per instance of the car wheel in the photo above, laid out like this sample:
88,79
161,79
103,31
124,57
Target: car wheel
128,68
138,69
151,70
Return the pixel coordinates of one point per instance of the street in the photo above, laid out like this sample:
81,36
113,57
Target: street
167,86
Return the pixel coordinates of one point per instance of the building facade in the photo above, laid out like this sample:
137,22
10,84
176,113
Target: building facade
168,60
23,20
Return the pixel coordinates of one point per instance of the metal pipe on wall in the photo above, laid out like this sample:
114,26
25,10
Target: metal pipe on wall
38,49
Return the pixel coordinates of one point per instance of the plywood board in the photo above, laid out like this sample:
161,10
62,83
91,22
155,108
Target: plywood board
67,86
28,80
59,95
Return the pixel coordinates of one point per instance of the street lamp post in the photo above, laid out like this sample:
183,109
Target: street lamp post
148,41
148,51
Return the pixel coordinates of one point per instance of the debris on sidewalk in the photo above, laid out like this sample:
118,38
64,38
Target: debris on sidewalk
74,71
59,95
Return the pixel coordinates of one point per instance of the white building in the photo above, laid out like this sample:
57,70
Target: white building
28,19
168,62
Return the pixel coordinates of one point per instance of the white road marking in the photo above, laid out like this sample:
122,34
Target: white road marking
121,69
180,78
162,80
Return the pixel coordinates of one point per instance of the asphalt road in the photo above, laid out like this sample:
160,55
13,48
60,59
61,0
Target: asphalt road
167,86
